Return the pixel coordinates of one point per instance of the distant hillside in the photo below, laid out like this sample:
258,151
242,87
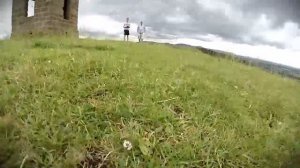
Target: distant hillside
268,66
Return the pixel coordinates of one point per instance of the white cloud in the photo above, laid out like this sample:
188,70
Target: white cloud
288,35
178,19
178,16
218,6
102,24
224,8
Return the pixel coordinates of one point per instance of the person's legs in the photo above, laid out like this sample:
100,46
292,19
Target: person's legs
139,37
142,37
124,35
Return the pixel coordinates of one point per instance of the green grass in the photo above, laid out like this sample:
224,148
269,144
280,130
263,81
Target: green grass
69,103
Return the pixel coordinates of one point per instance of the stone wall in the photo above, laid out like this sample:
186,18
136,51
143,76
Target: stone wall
48,19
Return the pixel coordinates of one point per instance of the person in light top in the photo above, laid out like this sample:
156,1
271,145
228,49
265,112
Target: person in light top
126,29
141,29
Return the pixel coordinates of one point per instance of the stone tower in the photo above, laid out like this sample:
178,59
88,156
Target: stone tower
45,17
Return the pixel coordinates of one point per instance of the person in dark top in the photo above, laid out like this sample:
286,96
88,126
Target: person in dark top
126,29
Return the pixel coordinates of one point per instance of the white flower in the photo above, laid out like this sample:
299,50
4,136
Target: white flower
49,61
127,145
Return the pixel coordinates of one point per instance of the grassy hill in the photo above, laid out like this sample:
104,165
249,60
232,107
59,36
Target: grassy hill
72,103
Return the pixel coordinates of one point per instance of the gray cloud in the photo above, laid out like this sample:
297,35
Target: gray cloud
279,10
233,20
230,19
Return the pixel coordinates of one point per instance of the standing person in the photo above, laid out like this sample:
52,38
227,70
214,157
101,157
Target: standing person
126,29
141,30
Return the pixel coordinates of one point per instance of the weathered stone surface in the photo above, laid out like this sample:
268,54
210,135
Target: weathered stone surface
49,18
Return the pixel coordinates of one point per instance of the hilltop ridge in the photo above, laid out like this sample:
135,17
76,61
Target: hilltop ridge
88,103
284,70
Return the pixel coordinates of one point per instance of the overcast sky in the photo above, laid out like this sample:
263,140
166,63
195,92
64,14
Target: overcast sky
265,29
